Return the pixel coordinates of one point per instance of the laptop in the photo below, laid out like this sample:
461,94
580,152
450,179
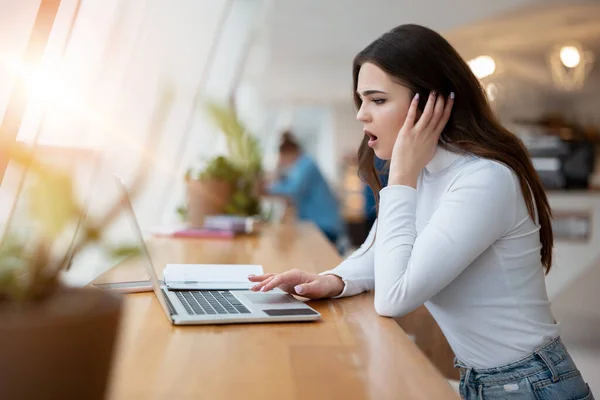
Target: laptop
200,307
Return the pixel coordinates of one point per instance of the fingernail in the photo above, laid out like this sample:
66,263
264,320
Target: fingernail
299,289
417,96
433,93
251,276
254,287
264,289
452,95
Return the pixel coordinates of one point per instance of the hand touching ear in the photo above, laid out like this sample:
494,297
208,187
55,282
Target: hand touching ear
417,141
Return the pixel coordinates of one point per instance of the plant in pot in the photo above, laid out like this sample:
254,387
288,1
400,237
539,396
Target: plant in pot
210,190
56,342
227,184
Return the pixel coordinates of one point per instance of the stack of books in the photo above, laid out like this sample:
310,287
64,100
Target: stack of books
215,226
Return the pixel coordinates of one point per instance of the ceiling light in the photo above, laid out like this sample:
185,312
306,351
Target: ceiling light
570,56
570,65
482,66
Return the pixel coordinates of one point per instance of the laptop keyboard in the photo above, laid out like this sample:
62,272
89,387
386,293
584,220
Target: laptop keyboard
201,302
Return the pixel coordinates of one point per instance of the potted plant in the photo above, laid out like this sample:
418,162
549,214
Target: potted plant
56,342
227,184
210,190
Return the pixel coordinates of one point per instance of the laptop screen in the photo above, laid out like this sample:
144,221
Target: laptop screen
126,201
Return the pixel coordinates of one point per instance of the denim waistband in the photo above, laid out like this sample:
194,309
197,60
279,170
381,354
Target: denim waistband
544,357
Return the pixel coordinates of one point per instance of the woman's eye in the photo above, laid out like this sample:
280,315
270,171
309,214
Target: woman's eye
378,101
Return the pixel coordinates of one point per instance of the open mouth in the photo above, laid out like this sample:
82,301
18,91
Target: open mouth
372,138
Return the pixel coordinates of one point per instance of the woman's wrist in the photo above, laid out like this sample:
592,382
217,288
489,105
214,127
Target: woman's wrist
402,175
405,179
336,285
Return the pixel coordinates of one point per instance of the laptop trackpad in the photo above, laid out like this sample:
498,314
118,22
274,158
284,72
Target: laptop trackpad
270,298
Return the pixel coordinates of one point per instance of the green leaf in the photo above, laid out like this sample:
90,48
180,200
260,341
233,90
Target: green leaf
51,203
242,167
244,149
220,168
182,212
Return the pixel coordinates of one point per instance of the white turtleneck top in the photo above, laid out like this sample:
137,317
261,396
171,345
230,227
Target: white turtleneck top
463,244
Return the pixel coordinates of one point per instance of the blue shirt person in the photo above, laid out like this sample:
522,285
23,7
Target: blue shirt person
303,182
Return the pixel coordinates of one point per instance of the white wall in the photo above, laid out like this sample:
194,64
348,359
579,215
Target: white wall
347,130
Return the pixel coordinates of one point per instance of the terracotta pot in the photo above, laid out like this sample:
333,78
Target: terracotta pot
61,348
207,197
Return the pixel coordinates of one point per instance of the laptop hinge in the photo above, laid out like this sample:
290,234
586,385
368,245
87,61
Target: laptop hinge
172,310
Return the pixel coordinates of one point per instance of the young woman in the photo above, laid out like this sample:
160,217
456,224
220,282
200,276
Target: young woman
463,226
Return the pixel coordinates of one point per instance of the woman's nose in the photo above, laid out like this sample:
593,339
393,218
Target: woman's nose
362,115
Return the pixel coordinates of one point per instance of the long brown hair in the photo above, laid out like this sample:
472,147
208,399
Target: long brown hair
423,60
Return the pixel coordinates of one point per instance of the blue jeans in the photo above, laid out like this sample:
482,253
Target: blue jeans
547,373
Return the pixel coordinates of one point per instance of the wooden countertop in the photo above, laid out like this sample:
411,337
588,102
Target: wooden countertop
351,353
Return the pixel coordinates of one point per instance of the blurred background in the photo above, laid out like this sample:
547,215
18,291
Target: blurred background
120,86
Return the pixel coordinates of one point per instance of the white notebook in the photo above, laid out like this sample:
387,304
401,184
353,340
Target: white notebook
210,276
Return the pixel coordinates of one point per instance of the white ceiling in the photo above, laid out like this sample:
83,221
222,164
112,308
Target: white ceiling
309,45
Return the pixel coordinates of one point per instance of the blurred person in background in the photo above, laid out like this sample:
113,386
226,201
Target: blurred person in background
370,208
463,226
299,178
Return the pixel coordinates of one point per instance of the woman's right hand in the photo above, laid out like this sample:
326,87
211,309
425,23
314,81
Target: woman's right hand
305,284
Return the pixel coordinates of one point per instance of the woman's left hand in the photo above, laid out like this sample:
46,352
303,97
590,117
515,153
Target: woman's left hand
416,142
